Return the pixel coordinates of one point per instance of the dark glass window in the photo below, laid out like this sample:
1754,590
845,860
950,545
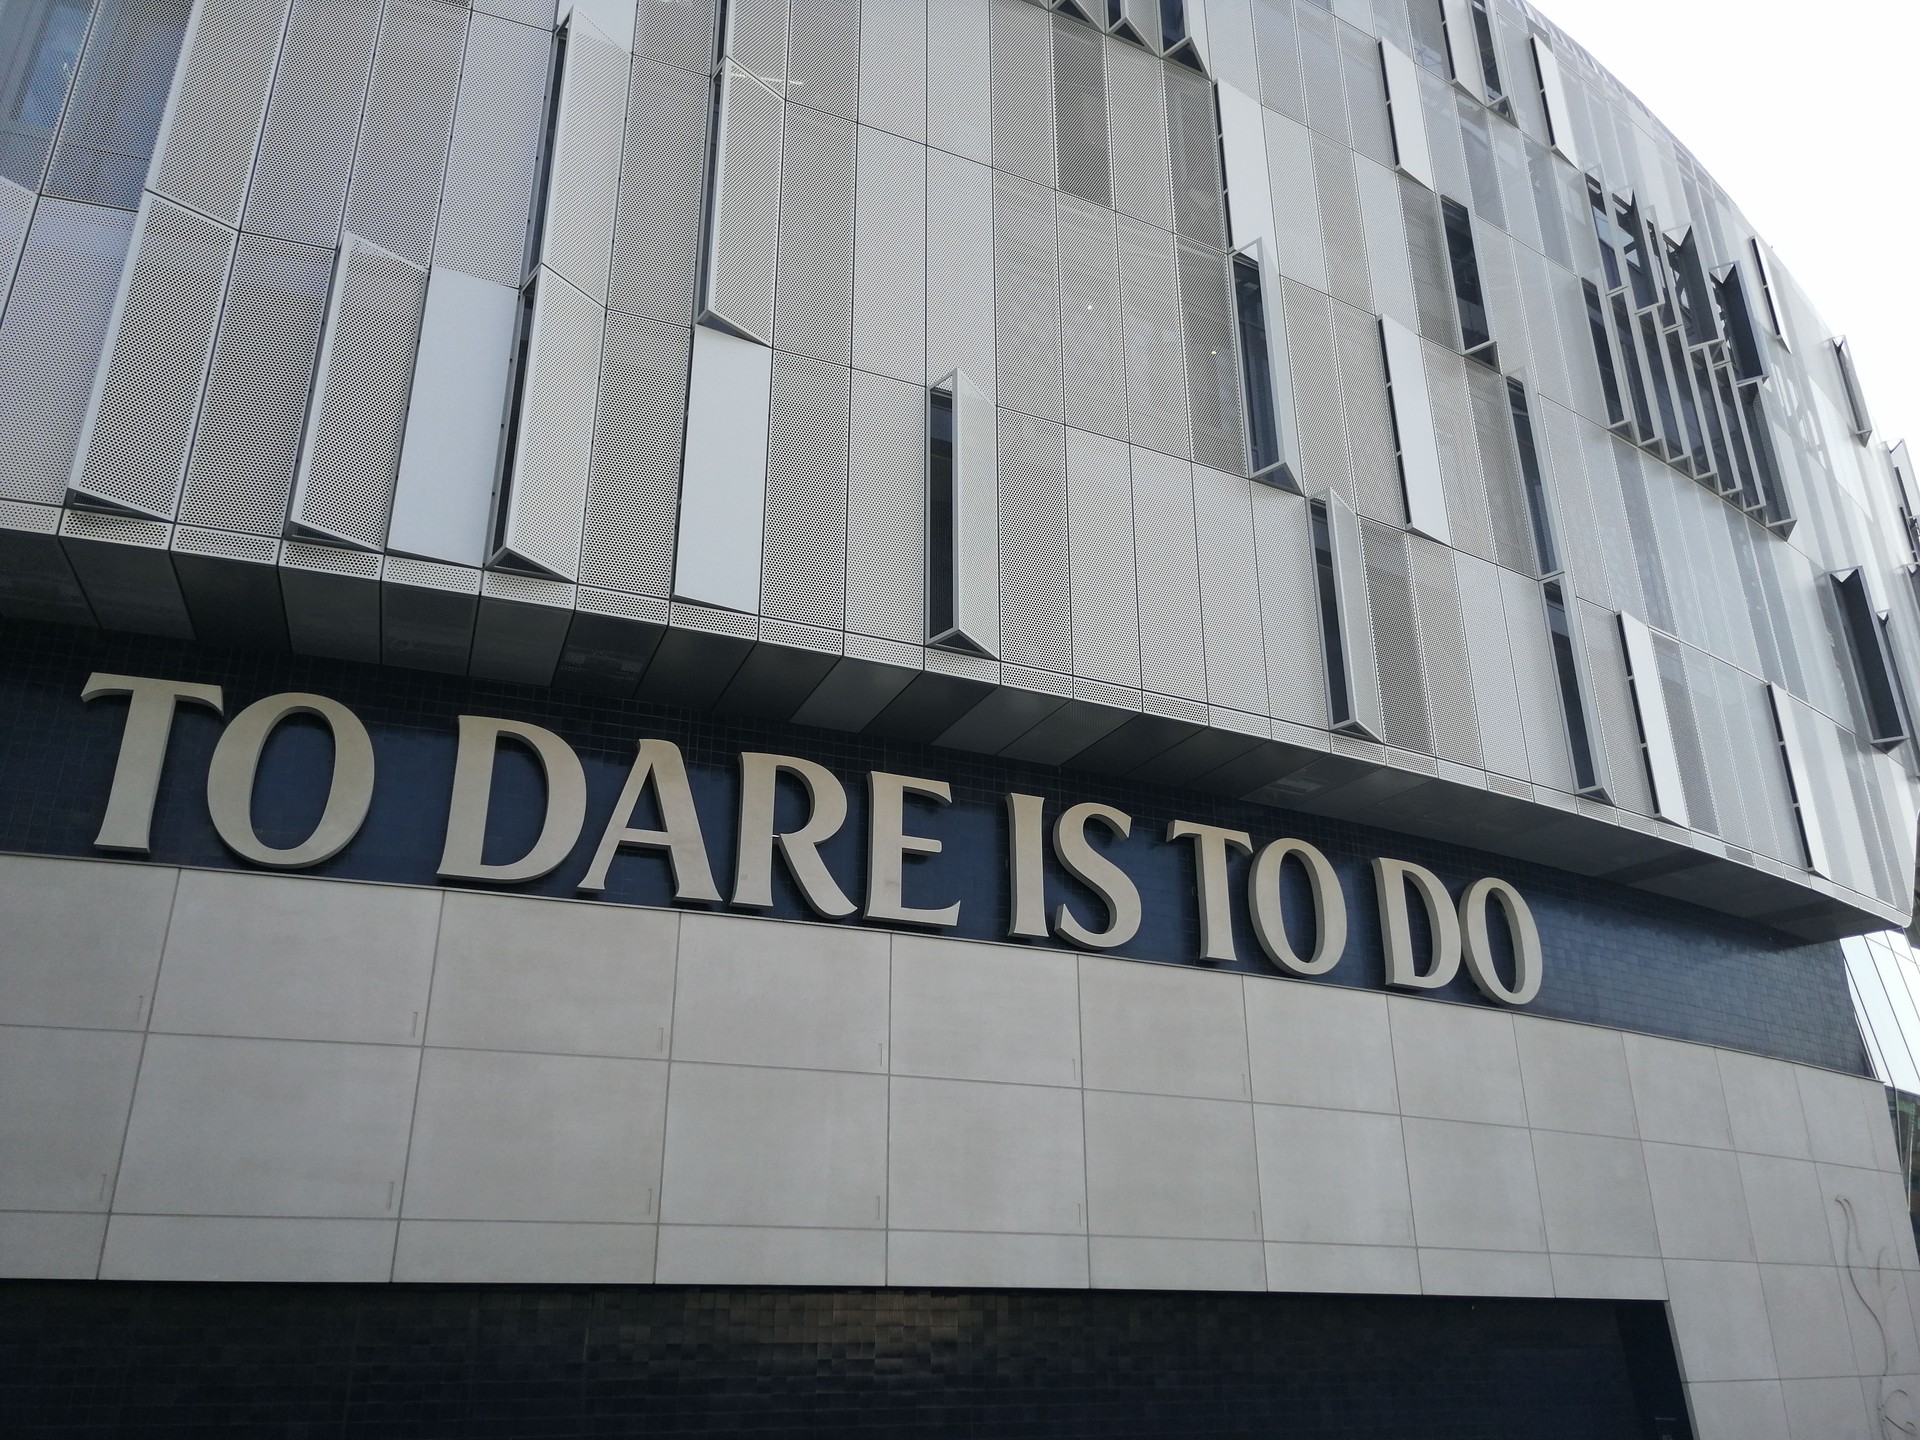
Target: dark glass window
1879,685
1716,430
1339,690
1629,354
1173,23
1604,232
941,611
1747,481
1633,246
1489,59
1532,477
39,52
1689,414
1586,775
1465,264
119,95
1256,365
1766,469
1736,317
1662,391
1690,291
1603,354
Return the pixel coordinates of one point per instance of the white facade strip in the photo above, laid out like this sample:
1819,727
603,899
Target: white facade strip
1408,121
1243,146
1553,94
1418,444
723,491
1656,730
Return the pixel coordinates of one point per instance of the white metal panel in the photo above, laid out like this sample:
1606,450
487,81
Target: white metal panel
546,494
743,208
1418,445
583,177
723,489
204,155
890,256
1656,730
1793,757
401,158
1301,252
1243,146
893,68
976,516
455,412
1105,607
959,309
1389,265
498,147
959,103
1409,121
1229,592
1167,553
1554,92
1463,53
611,19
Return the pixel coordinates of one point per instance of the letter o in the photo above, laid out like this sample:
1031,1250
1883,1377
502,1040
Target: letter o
236,760
1329,908
1479,947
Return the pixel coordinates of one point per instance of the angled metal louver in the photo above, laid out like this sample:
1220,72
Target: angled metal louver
1405,118
1553,95
1656,729
743,200
963,518
1346,625
1417,446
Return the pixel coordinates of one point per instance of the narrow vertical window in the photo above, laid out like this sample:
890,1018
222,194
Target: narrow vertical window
1532,477
1634,249
1736,319
1256,368
1636,379
1858,417
1908,495
1773,502
1723,466
1603,355
1690,290
1553,99
1872,660
940,597
1353,690
1406,122
1651,720
1588,776
1464,261
963,519
1489,59
1662,391
1603,231
1764,275
1176,35
1416,448
1689,413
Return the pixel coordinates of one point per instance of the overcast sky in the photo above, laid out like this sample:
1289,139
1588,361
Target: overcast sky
1807,113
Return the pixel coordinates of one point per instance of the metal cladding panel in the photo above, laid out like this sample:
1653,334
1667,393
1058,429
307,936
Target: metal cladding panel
1786,715
1443,137
1631,468
1549,761
633,484
332,608
1325,87
1557,433
50,341
1389,266
247,443
1500,284
755,36
1832,789
677,32
823,55
1769,801
1611,691
1213,360
976,515
218,105
814,286
1301,252
1427,257
1724,764
1470,527
1366,414
960,86
1483,172
105,145
890,257
1550,323
1366,96
1342,235
122,565
1137,126
886,509
357,418
1757,623
1093,348
656,228
300,178
402,157
1229,592
1289,610
723,489
1022,82
1243,151
1407,122
1151,329
1463,59
544,500
583,168
450,459
1549,211
1870,817
133,449
1026,265
1324,455
1688,739
1396,638
1553,95
1500,472
1354,618
1611,529
1516,186
743,208
1276,44
16,210
1100,539
804,556
1423,485
893,68
1035,609
1667,795
1080,111
1443,649
960,320
498,150
1167,558
1193,150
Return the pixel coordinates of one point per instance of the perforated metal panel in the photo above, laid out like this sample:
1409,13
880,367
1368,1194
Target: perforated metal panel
1370,425
1213,361
56,321
960,85
1389,267
133,452
886,507
1289,614
1022,78
1277,54
299,189
1619,736
1311,359
1137,124
823,55
1500,472
1167,560
1396,640
755,36
1080,111
890,257
633,487
115,104
583,170
1427,256
1035,624
1366,96
1548,760
1105,609
248,441
1093,351
814,285
1320,67
16,209
1688,739
1026,298
960,319
1556,432
1469,526
743,214
656,232
401,159
1193,151
1296,203
357,419
803,560
218,105
499,131
544,501
1443,651
679,32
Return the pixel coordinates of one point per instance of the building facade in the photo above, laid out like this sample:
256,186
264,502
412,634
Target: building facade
803,709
